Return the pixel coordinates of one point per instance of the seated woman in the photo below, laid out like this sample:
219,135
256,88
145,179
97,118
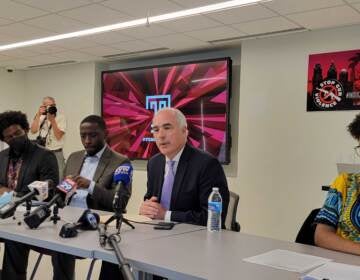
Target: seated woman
338,222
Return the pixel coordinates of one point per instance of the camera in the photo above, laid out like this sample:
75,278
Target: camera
50,110
41,141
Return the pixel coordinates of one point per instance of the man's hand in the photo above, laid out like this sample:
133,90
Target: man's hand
4,189
42,110
50,117
81,182
152,208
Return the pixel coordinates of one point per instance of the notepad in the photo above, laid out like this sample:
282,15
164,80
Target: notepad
288,260
335,271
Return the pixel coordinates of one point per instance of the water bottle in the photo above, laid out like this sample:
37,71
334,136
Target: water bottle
214,211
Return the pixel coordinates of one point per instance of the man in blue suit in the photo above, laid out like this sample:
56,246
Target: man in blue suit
180,178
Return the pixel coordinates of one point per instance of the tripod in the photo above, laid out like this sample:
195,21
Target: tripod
118,215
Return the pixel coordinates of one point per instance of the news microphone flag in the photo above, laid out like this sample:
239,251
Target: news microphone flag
123,174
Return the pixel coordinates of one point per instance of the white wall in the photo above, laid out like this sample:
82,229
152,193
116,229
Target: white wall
11,92
286,153
281,154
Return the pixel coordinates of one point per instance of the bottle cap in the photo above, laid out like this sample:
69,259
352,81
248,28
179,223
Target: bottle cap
215,189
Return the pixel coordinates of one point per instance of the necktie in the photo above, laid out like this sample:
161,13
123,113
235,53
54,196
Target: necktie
168,185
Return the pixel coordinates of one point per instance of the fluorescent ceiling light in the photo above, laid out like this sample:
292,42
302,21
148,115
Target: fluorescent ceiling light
137,22
203,10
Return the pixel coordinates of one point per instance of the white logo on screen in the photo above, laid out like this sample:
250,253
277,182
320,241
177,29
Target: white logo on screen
158,102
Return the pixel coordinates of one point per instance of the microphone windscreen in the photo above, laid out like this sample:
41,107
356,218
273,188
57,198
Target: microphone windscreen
89,220
123,174
68,188
42,188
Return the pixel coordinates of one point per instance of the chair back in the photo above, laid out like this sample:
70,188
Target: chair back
230,221
307,231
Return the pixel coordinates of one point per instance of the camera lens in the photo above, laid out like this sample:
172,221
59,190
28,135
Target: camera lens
52,110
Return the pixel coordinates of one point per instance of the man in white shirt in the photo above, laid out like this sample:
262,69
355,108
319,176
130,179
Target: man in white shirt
49,126
93,171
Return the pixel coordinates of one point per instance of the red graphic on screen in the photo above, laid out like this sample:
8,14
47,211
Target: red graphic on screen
200,90
334,81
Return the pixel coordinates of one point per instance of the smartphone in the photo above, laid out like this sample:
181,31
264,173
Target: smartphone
164,226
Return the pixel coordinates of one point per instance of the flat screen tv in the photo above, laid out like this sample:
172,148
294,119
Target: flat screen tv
200,89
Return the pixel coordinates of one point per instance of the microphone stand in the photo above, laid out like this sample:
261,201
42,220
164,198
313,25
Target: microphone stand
123,265
114,239
118,215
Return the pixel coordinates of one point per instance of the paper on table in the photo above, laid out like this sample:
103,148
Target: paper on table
132,217
288,260
335,271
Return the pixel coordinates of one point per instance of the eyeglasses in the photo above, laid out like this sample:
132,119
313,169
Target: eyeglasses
357,150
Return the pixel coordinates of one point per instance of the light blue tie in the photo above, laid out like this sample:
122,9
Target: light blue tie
168,185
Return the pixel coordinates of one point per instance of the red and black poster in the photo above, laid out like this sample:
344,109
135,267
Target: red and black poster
334,81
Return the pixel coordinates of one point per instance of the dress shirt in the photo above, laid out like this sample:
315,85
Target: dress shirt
88,169
176,158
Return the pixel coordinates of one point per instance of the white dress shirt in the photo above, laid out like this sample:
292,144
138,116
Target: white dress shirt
88,169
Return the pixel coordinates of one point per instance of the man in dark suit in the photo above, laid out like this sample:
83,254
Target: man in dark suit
93,169
180,177
21,164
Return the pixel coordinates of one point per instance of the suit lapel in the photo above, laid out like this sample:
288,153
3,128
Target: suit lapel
5,163
24,166
179,176
76,168
103,163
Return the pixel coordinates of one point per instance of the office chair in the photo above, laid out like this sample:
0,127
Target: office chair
230,221
307,230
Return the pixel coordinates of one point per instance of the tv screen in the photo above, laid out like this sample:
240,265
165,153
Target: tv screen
200,89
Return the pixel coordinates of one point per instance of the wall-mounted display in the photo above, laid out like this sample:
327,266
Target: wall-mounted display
200,89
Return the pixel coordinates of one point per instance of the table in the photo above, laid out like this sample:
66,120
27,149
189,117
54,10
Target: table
185,252
206,255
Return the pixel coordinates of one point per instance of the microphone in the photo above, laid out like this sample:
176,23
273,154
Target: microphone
42,188
122,177
87,221
65,190
38,189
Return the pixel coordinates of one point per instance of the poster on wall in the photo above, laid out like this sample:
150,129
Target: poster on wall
334,81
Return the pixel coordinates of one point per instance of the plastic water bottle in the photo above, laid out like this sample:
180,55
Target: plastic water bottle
214,211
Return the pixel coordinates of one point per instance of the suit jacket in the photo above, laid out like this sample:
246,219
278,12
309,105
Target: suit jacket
104,190
38,164
197,173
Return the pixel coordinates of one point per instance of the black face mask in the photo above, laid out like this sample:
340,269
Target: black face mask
18,144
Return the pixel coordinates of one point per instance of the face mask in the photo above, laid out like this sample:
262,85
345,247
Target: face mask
18,144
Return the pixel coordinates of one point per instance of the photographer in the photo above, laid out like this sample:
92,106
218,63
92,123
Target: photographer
49,128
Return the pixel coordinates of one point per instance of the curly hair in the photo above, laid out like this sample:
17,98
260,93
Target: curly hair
354,127
9,118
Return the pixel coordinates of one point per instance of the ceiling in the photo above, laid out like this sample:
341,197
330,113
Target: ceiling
22,20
